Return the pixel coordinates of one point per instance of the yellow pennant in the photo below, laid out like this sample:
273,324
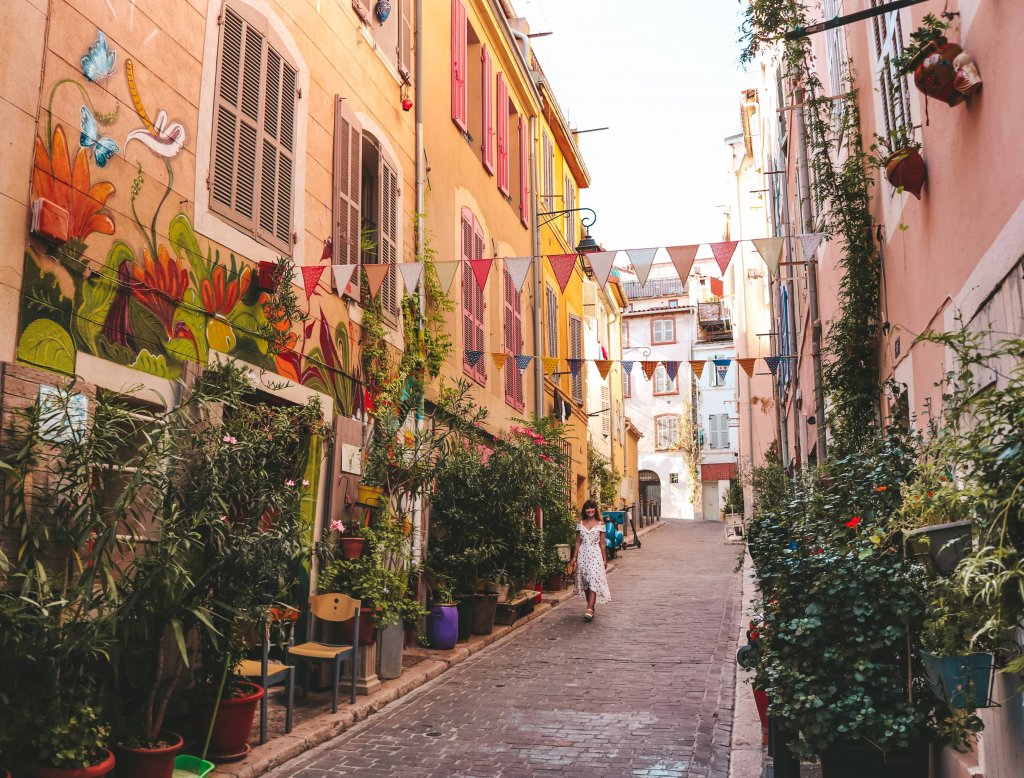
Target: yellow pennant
550,365
499,360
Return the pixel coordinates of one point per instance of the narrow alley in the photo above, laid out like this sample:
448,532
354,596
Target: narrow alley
645,690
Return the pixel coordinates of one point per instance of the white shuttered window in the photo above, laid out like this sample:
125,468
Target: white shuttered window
667,431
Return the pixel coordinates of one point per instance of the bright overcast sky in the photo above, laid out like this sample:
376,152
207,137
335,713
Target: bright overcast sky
663,75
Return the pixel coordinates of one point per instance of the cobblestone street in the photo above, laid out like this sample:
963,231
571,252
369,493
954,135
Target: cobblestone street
645,690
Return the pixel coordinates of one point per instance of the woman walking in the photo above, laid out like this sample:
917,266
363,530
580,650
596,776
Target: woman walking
590,560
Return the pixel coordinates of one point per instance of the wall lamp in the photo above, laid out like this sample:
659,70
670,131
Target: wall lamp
587,244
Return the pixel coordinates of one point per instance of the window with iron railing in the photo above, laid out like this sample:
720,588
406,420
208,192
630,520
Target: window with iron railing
658,287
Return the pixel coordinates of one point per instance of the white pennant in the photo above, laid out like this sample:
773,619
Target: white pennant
809,244
342,276
411,274
517,268
770,250
642,260
601,262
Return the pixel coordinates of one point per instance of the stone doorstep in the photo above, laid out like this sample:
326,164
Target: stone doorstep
326,726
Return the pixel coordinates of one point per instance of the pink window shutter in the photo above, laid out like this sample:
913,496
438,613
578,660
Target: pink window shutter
487,146
508,294
524,172
478,294
468,283
502,118
459,64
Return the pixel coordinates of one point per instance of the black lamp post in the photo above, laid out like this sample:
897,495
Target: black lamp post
587,244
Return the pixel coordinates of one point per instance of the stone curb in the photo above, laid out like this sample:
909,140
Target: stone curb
747,755
326,726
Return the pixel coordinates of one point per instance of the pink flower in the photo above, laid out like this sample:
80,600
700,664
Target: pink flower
546,458
337,525
229,439
305,482
289,482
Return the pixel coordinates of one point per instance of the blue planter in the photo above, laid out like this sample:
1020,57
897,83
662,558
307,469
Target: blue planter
443,626
962,681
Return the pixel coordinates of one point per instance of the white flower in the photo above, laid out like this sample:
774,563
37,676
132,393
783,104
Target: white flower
166,141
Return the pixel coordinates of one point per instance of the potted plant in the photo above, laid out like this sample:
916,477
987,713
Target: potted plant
899,156
442,618
933,60
936,513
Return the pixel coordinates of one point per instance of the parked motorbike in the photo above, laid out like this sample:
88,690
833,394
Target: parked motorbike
613,537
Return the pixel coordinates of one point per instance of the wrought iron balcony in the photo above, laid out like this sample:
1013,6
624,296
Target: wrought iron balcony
714,322
655,287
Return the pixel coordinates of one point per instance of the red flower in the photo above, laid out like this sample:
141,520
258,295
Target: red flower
821,550
881,488
219,294
852,523
931,494
161,285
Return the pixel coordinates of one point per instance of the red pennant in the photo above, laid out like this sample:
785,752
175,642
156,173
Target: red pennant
481,269
562,264
723,252
717,287
747,363
311,277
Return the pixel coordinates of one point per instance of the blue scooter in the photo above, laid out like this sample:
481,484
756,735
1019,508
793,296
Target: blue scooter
613,537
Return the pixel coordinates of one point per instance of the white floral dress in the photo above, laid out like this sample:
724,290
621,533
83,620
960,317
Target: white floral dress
590,573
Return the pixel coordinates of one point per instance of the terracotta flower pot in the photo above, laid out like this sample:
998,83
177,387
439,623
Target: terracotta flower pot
935,75
352,548
231,728
93,771
367,629
148,762
905,168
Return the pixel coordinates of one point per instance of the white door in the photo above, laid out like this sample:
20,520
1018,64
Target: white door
709,501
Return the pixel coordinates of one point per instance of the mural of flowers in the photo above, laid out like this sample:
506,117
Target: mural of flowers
161,286
220,293
70,186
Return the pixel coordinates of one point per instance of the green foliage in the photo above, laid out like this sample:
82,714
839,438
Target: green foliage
79,741
734,497
603,480
282,310
932,29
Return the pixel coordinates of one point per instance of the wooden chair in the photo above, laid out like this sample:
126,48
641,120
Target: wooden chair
334,607
268,672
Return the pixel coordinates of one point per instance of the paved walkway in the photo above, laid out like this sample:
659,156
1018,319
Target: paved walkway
645,690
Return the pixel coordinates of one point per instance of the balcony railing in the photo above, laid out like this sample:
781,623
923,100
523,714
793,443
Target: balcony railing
657,287
714,322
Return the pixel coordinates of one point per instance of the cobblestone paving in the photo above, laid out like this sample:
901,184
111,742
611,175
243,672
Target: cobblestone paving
644,690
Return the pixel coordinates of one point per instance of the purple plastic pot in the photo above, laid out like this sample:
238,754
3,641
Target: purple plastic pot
443,626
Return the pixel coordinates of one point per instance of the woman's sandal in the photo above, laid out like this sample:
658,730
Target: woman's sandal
588,615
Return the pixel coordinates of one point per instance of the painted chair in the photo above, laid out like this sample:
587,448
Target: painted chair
333,607
269,672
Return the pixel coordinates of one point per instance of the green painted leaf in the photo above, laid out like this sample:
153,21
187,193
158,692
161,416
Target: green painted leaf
98,292
195,321
152,364
46,344
183,239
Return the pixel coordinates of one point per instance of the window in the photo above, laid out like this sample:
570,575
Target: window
379,218
662,383
718,430
888,34
627,384
460,96
251,175
472,297
548,174
606,411
576,352
570,218
552,321
663,331
667,431
486,110
501,114
719,375
524,171
836,41
394,36
513,342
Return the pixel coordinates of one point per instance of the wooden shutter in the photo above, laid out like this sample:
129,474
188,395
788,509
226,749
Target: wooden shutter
469,297
362,8
501,110
387,234
278,151
459,90
406,8
552,322
348,165
524,173
570,218
576,352
606,411
487,110
478,301
513,341
549,174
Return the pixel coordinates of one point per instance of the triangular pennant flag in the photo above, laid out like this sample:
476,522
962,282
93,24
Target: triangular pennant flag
682,258
672,369
342,276
375,275
446,272
517,268
722,361
697,366
722,368
500,358
601,263
627,366
523,361
809,244
649,366
411,274
603,366
550,365
481,269
642,261
770,250
717,287
747,363
311,277
773,364
723,252
562,265
473,357
574,366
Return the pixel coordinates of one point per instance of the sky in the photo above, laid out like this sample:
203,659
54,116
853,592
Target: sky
663,75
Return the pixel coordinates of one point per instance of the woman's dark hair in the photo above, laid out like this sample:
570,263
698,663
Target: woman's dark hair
590,504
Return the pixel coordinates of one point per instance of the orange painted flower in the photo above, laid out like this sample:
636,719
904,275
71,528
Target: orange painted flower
69,186
161,285
219,294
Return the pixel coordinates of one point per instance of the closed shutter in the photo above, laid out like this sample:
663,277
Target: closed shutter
606,411
388,235
362,8
459,90
487,109
524,173
576,352
278,151
570,218
478,300
552,322
406,9
348,161
513,320
549,174
501,114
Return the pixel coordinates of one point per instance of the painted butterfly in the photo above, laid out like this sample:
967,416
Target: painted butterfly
98,64
102,148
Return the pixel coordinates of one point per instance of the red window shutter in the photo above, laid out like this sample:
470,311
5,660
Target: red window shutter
502,118
478,296
459,97
487,110
524,172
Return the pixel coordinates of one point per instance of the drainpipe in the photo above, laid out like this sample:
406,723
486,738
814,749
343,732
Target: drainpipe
791,364
538,284
812,277
419,519
771,318
523,38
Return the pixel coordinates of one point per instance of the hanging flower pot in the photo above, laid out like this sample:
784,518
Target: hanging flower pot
382,10
905,169
369,496
352,548
935,75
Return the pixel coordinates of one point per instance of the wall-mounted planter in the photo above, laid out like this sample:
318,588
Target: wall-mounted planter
935,74
962,681
369,496
940,547
905,169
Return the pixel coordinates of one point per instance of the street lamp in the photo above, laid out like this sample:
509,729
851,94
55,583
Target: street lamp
587,244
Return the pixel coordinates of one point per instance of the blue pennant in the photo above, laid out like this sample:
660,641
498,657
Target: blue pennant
627,366
672,368
574,366
523,361
773,364
473,357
